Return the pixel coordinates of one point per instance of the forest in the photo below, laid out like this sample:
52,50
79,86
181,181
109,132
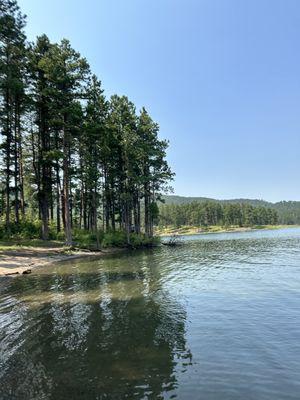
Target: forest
71,159
288,212
208,213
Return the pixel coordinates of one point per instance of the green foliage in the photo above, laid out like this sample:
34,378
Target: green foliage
114,239
118,239
86,239
288,211
31,230
215,213
69,154
139,240
25,229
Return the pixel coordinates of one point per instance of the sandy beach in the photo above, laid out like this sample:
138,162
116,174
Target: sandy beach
24,260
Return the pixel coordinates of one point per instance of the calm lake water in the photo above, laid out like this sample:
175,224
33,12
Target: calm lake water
217,318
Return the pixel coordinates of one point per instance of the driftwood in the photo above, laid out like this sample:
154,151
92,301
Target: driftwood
174,240
12,273
84,249
26,272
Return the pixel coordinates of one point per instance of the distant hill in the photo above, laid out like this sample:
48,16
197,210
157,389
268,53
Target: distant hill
173,199
288,211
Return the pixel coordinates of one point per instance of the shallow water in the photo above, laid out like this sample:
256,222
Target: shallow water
217,318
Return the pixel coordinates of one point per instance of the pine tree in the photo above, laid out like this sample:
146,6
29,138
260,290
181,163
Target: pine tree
12,94
85,158
42,116
67,72
154,168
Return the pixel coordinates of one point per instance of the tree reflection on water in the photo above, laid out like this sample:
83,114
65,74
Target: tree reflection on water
111,333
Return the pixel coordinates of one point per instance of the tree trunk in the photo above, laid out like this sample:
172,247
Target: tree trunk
21,174
58,226
8,155
147,216
66,178
44,215
81,207
58,189
16,167
136,212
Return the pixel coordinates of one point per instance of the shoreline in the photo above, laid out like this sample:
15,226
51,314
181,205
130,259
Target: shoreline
16,260
187,231
21,261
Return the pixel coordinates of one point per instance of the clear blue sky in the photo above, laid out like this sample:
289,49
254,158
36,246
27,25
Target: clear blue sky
221,77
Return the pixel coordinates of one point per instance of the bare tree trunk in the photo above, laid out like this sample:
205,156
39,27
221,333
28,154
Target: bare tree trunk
58,189
21,173
107,202
81,207
66,146
58,226
139,215
44,215
113,213
70,189
147,216
136,212
8,155
51,196
16,167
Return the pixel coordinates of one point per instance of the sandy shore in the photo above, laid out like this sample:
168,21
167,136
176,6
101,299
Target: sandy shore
23,260
217,229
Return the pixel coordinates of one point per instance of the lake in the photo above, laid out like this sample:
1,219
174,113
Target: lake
217,318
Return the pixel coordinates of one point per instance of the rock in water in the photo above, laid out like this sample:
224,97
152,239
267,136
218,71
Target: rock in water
27,271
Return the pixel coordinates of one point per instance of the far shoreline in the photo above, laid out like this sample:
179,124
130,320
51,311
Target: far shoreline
188,231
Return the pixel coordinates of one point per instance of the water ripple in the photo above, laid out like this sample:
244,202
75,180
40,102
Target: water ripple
217,318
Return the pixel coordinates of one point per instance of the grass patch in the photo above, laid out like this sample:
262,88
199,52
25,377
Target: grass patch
15,244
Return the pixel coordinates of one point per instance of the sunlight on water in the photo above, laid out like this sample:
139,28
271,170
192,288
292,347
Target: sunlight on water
216,318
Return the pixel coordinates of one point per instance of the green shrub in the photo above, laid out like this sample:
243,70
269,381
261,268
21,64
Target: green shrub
60,235
118,239
2,232
114,239
141,240
26,229
53,234
31,229
136,240
84,238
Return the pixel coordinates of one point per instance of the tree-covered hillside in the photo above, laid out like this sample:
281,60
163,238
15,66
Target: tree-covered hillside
213,213
288,211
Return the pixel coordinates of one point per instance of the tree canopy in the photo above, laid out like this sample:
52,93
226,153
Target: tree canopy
215,213
70,157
